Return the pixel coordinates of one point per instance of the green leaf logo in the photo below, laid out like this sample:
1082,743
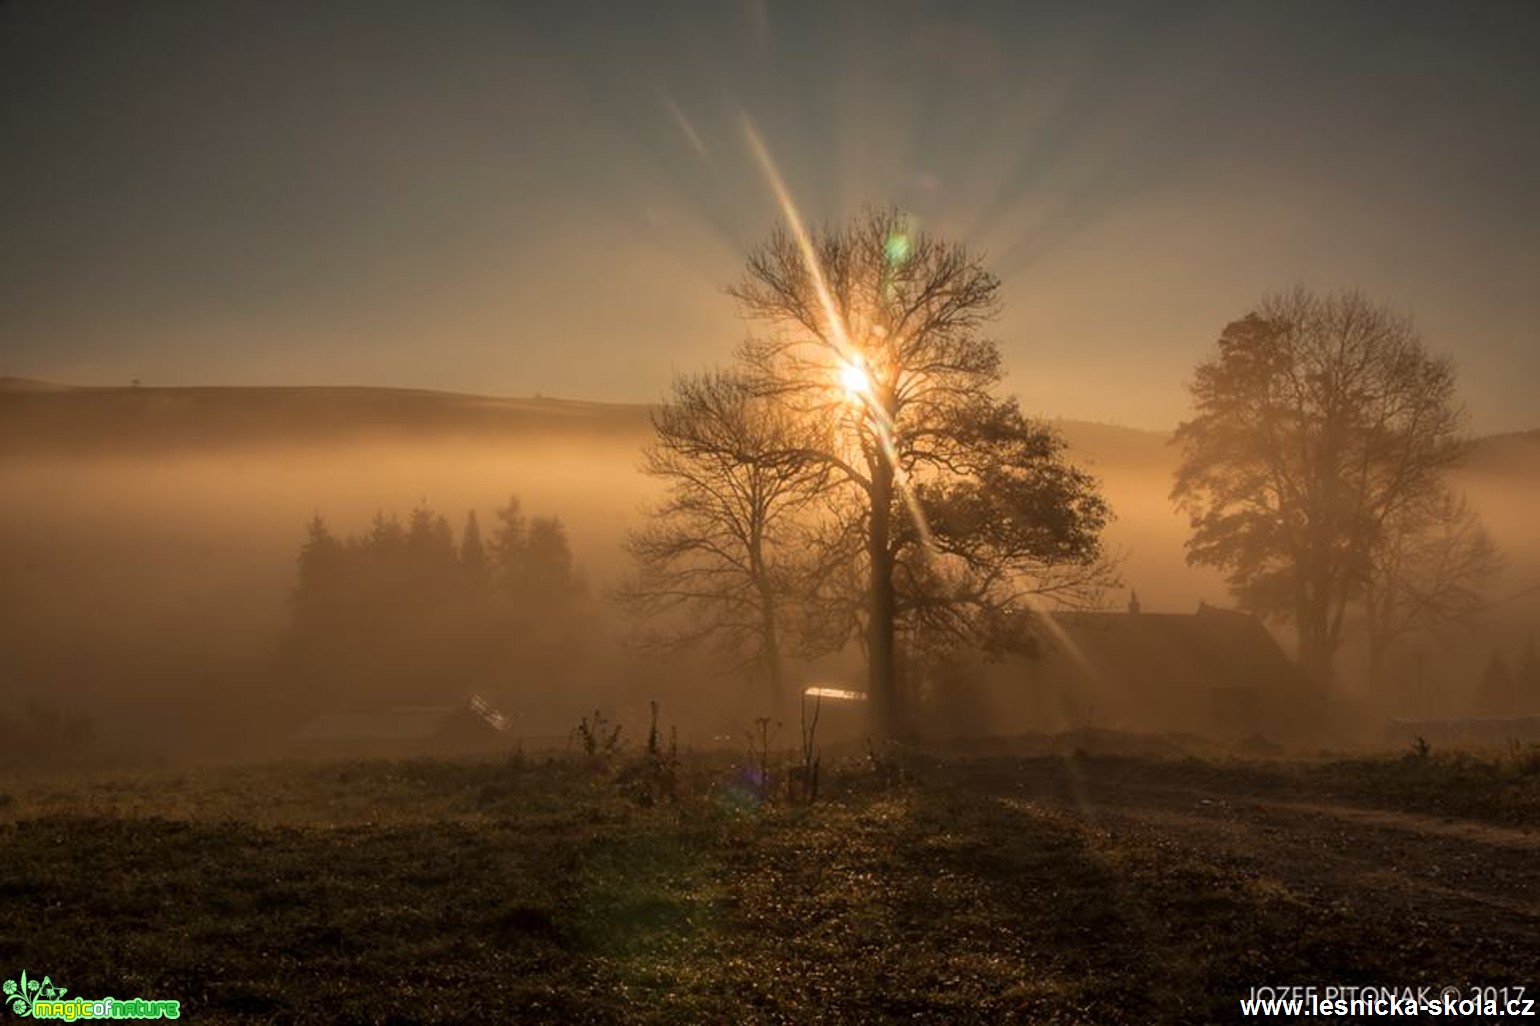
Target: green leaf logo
23,994
20,995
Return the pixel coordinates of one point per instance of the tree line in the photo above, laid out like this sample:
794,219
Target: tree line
407,612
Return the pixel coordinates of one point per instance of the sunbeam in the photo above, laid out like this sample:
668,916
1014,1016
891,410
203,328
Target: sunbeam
849,360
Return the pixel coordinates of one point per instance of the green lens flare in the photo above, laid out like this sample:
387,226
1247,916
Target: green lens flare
897,248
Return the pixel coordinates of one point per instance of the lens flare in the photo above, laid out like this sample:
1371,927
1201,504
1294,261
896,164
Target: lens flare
855,381
880,418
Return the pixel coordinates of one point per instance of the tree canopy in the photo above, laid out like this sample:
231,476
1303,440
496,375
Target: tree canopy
942,512
725,553
1318,443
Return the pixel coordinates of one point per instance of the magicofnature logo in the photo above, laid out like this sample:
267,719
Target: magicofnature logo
44,999
22,996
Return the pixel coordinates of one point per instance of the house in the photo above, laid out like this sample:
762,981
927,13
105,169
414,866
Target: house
474,725
1214,672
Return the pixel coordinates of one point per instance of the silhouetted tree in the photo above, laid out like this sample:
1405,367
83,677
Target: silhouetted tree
319,603
321,561
723,553
429,538
1426,568
1321,422
510,542
548,579
531,561
386,538
474,567
536,592
431,558
959,502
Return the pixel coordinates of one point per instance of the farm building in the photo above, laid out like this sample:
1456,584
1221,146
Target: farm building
1214,672
471,726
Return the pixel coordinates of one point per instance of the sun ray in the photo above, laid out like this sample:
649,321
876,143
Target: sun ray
687,127
848,357
841,338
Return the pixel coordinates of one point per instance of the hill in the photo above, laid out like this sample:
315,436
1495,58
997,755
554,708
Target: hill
36,418
1512,452
42,418
14,384
39,418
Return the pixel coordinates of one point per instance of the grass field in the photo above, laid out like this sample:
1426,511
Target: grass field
1052,890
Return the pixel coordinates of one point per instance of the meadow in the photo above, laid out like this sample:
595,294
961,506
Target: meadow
1070,888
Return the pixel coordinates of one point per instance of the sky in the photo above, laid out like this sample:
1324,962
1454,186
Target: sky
518,198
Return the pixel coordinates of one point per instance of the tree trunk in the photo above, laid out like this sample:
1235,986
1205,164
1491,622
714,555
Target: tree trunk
1315,648
1313,609
882,680
1378,621
772,651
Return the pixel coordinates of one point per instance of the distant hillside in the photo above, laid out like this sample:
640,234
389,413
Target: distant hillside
1516,452
39,418
14,384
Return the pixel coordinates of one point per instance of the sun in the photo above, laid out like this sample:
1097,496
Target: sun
854,379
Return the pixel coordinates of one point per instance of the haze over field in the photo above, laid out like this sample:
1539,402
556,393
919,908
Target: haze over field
148,536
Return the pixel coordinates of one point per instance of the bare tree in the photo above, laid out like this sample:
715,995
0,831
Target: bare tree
1426,569
963,509
1321,425
722,554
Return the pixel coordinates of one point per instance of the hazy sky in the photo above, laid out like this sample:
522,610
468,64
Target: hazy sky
516,197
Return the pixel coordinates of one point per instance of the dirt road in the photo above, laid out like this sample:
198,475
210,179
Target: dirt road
1462,892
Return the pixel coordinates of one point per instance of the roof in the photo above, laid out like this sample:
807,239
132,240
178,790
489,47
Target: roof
1210,649
1212,671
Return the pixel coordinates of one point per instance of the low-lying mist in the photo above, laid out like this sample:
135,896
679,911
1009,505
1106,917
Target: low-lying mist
162,581
149,591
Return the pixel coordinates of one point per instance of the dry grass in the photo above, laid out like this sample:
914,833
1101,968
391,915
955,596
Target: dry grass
983,891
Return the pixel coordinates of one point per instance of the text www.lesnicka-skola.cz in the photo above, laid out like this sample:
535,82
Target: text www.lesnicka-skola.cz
1452,1002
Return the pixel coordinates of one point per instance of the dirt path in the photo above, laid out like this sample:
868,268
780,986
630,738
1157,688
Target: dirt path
1321,847
1443,882
1418,825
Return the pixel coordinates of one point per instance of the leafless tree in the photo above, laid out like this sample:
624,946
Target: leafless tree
1427,569
722,555
963,509
1322,425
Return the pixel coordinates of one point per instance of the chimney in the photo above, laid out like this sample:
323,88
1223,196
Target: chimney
1133,601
